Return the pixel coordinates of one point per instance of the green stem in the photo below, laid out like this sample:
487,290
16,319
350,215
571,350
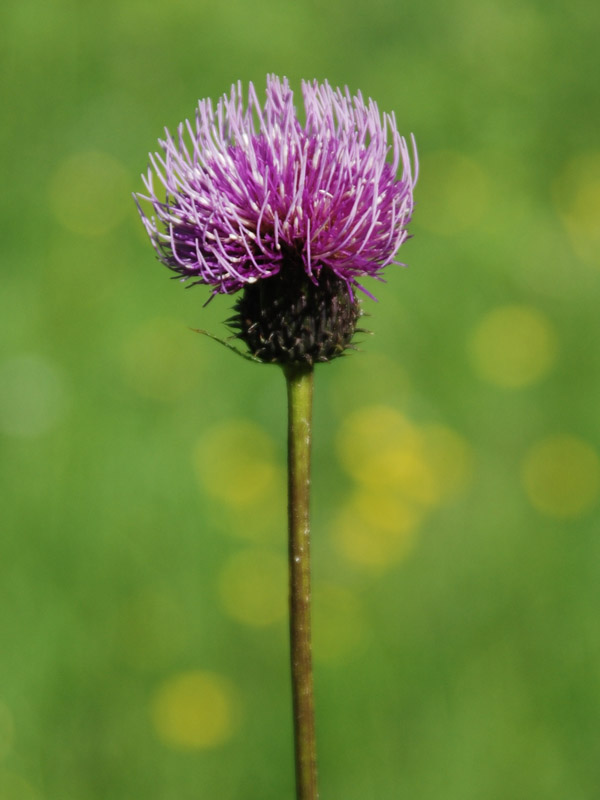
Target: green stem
300,391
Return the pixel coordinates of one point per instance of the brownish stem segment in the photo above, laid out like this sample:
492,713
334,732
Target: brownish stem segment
300,392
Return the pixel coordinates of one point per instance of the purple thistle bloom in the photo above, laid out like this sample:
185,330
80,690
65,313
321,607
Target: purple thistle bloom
246,188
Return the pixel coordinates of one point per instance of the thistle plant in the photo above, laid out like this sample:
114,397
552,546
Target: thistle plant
291,216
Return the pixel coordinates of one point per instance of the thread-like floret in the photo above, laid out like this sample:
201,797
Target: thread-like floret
247,183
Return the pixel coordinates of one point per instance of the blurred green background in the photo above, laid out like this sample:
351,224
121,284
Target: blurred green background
456,475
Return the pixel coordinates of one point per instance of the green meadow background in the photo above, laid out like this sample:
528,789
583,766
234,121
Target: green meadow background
456,471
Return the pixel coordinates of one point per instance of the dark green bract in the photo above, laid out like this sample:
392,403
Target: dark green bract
288,319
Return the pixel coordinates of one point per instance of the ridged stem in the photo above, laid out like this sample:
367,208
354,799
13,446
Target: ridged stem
300,392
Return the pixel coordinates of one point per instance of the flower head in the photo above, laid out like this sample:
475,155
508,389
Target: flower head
248,187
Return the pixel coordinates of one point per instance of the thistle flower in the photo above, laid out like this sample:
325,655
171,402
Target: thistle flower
249,193
294,215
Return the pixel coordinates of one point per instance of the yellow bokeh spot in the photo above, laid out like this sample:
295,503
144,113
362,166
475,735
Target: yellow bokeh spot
253,587
339,624
453,193
561,475
513,346
262,518
577,198
156,359
375,528
365,381
235,461
378,446
450,458
195,710
7,730
382,508
90,193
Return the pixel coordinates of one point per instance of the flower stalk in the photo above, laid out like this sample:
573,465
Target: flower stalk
292,212
300,392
